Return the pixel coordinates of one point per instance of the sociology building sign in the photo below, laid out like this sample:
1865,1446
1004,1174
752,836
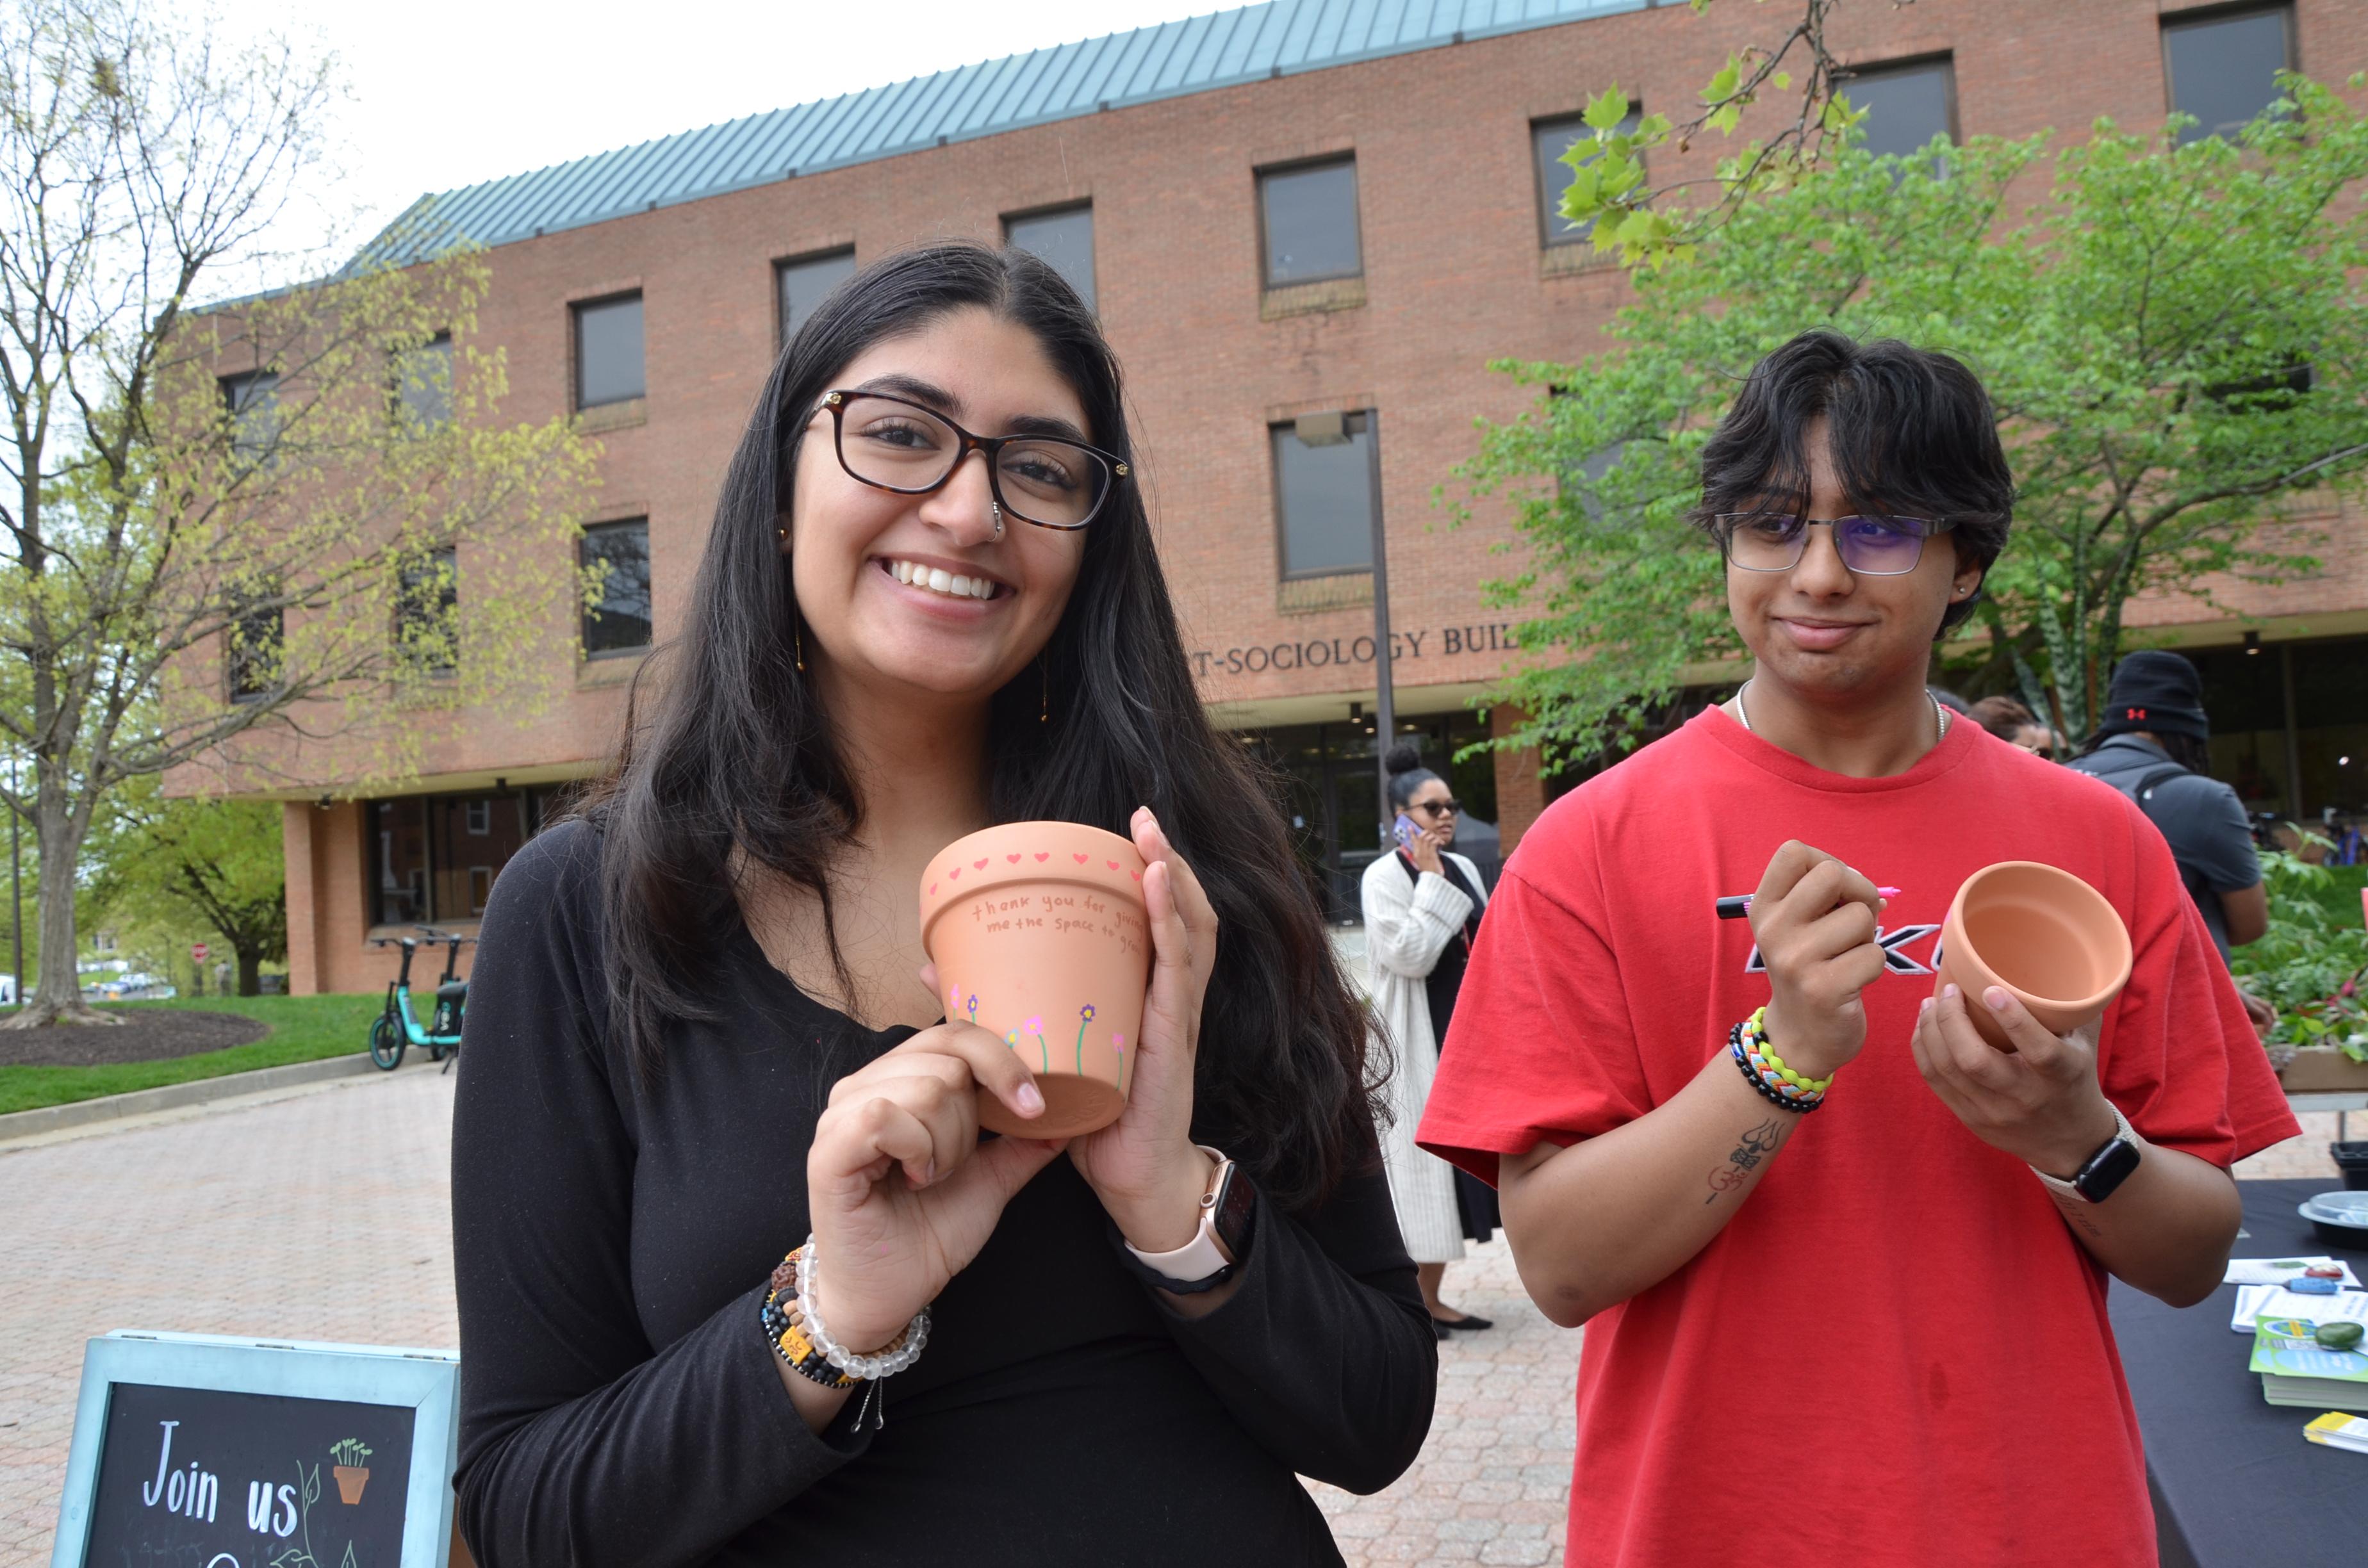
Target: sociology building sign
1323,652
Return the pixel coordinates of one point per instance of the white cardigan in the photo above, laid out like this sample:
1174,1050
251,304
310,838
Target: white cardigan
1407,925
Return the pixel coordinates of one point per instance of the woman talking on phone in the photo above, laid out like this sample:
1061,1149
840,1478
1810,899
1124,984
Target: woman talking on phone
713,1127
1422,909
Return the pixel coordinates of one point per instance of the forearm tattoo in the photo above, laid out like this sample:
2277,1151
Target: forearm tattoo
1755,1145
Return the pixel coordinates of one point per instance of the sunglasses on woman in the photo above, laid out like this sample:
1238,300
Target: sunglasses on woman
1436,809
1871,546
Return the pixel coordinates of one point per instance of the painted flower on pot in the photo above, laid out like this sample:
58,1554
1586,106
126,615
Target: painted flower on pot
1117,1043
1085,1017
1034,1024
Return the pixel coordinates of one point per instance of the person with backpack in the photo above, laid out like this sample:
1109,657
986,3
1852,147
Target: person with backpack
2150,745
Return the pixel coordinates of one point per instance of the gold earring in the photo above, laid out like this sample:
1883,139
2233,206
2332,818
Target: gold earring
1045,712
798,639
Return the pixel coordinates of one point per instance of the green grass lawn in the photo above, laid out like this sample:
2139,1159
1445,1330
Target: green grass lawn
303,1028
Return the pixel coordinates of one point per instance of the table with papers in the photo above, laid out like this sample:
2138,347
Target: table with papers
2233,1481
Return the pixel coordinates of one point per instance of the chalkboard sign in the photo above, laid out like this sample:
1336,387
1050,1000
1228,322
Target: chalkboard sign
227,1453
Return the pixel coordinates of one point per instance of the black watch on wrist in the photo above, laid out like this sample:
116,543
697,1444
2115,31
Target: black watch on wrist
2105,1170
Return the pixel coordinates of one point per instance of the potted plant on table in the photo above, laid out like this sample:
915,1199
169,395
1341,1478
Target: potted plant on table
2308,966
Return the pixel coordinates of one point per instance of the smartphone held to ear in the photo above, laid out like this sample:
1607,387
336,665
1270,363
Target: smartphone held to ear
1406,830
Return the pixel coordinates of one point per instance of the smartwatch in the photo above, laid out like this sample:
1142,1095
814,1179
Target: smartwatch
2106,1169
1216,1250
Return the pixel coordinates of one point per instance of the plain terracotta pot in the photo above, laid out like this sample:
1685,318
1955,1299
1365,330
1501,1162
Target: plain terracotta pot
1040,934
351,1479
2042,933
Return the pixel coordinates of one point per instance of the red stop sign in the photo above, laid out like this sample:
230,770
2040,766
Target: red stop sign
198,953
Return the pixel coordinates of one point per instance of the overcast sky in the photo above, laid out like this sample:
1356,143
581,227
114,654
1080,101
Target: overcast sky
445,92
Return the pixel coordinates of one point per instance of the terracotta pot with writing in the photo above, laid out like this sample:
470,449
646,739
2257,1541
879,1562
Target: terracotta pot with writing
351,1479
2044,935
1039,933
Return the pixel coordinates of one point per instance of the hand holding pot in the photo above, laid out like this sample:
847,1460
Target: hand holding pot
2039,1102
900,1192
1143,1165
1814,920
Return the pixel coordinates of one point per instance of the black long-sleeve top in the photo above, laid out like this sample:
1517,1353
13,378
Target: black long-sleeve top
619,1404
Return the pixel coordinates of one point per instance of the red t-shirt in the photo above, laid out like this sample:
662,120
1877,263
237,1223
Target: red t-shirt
1896,1352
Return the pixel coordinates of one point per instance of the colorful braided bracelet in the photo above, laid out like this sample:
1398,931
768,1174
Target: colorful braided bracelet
1766,1073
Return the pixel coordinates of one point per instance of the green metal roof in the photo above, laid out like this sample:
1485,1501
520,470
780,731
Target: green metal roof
1279,37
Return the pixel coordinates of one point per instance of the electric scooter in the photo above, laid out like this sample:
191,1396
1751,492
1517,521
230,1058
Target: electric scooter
397,1028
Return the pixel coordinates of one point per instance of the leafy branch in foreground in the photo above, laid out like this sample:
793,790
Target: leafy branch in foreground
2175,337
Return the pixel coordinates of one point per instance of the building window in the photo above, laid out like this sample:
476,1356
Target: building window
618,555
423,385
427,613
806,280
608,351
1309,213
1906,105
253,400
1549,140
1327,492
2223,68
1063,240
252,644
437,857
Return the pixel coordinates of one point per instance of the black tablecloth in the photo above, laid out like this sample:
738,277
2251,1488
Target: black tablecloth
2235,1482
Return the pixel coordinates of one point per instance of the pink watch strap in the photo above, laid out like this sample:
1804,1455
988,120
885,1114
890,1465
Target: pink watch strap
1204,1254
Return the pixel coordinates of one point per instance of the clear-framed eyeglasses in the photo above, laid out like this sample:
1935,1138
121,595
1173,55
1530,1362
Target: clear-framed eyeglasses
893,443
1870,546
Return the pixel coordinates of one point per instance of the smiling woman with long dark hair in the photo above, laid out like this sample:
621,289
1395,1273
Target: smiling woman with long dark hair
704,1035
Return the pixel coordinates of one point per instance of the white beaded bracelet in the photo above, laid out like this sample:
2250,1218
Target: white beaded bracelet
871,1369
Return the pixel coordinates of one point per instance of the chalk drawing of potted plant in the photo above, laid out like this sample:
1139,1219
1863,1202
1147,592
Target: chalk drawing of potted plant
352,1470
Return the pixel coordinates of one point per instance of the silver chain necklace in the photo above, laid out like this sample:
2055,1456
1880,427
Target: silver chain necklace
1939,714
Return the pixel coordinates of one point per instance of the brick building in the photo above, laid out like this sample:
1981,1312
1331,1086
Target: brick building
1307,225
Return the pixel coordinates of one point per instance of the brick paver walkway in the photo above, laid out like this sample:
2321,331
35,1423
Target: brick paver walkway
322,1215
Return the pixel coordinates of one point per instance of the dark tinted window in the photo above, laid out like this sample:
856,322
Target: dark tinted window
1325,492
434,857
608,352
806,282
427,613
1311,223
423,384
2222,69
1549,140
253,645
1906,105
618,622
1064,239
254,403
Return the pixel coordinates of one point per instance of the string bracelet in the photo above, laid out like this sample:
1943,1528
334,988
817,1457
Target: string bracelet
885,1362
1754,1037
1764,1081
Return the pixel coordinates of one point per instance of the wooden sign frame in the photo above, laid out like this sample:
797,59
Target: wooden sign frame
428,1382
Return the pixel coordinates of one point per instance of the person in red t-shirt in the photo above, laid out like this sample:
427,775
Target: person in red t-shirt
1873,1332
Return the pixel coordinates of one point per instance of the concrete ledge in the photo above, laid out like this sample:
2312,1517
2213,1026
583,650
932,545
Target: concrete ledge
171,1096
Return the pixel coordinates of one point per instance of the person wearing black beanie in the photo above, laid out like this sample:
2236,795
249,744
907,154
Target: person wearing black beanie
2150,744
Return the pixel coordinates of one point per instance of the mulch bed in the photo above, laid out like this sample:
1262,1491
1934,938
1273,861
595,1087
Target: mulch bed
149,1034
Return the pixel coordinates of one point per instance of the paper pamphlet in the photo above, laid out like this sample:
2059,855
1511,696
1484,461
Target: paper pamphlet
2277,1270
2259,1300
2339,1431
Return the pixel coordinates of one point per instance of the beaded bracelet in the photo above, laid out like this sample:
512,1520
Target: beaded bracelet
1763,1079
885,1362
785,1328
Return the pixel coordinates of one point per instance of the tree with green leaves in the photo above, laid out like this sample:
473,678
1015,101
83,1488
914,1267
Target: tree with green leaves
2174,336
292,513
185,866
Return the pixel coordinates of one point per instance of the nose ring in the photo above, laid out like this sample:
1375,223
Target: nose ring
998,508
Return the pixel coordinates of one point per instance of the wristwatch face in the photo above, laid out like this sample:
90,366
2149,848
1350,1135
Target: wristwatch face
2111,1166
1230,1219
